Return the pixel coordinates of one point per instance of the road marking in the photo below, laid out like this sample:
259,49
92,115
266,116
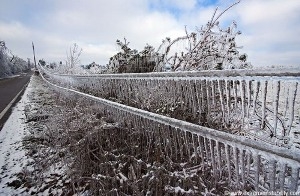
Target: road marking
12,101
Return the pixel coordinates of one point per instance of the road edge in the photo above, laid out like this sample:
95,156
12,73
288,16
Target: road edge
13,101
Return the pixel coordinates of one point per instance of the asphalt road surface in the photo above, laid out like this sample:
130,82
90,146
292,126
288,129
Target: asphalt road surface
9,89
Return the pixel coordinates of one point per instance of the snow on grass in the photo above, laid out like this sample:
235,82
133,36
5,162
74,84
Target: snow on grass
28,165
12,153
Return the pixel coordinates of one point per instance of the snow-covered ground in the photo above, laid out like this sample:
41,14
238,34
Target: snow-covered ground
22,152
12,153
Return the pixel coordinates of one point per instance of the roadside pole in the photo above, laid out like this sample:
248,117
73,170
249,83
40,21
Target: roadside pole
35,71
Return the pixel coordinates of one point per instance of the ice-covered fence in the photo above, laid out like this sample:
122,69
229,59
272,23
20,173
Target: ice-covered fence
260,104
246,164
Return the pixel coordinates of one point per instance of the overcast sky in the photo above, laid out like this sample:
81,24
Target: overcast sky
270,28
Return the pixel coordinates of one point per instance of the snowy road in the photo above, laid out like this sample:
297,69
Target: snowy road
9,89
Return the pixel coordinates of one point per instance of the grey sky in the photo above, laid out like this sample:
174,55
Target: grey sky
270,28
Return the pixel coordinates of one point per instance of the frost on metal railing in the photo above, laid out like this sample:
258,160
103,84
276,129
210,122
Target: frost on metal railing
261,105
242,163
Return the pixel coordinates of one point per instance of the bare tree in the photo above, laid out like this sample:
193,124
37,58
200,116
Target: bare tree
73,56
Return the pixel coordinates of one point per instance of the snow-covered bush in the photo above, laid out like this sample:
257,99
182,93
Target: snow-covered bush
4,67
209,47
132,61
9,63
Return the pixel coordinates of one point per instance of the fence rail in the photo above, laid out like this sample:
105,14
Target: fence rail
259,104
248,164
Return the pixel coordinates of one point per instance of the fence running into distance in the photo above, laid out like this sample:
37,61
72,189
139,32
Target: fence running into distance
261,107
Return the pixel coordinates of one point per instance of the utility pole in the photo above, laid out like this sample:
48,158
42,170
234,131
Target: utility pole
28,63
34,55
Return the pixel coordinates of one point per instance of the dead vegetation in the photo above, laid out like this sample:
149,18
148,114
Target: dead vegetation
79,149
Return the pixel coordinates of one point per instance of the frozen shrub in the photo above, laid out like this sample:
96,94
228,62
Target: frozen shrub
209,47
9,63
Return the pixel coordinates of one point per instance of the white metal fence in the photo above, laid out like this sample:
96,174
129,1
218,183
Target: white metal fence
261,105
261,154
